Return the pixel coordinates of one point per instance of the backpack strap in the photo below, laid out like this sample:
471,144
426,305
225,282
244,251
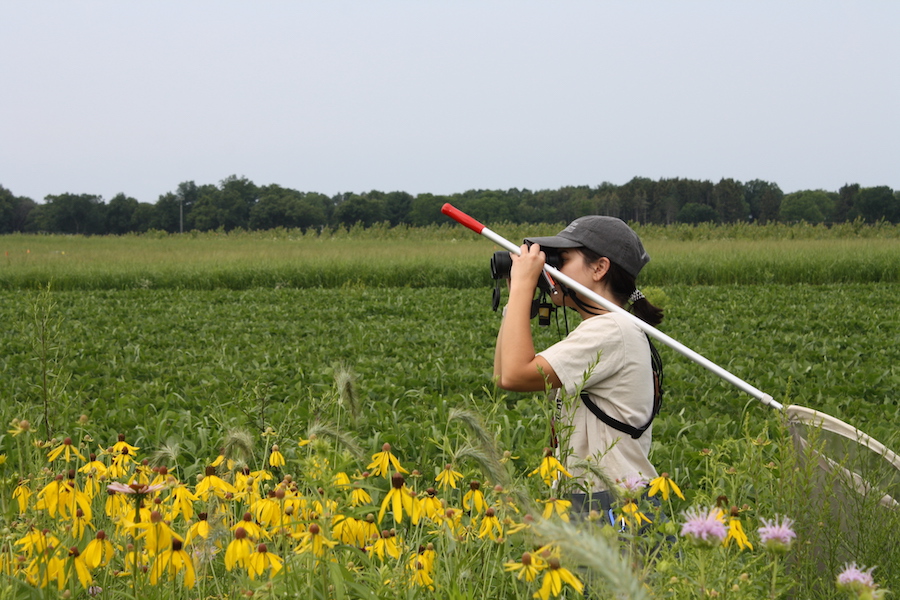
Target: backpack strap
634,432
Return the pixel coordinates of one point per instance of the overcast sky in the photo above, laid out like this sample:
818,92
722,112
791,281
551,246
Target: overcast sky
443,97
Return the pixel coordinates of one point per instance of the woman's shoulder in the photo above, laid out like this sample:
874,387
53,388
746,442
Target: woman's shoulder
612,327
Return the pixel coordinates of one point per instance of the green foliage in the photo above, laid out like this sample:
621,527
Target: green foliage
809,206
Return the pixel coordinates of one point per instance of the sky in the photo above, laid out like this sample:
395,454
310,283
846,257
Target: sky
334,96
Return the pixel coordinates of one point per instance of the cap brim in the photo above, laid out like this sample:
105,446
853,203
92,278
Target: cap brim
555,241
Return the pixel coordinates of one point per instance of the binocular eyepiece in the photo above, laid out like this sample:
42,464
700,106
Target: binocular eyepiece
501,262
501,267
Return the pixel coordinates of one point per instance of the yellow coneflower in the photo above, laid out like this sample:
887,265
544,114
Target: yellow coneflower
421,573
368,529
490,526
400,499
48,496
37,542
386,544
558,507
66,449
358,495
276,458
268,510
347,530
238,550
99,551
19,427
528,568
663,485
736,531
70,498
94,467
314,542
21,495
121,463
550,468
212,483
173,561
253,529
428,556
157,534
473,500
554,577
80,524
261,560
432,506
80,568
448,477
121,445
200,529
383,461
631,512
341,480
181,501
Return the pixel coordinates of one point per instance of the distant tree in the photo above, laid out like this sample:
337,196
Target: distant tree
22,213
426,210
490,206
120,214
227,207
167,215
845,207
608,203
764,200
8,203
73,213
728,199
284,207
144,217
636,196
812,206
397,207
694,213
876,203
358,209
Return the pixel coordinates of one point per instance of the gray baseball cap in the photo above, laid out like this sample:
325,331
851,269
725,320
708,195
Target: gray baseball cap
607,236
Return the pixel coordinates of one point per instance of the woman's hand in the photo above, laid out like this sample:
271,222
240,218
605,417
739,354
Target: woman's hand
527,266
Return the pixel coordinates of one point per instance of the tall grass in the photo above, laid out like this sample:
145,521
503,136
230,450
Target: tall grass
447,256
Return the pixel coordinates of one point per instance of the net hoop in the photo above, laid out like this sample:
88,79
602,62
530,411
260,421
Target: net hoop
801,415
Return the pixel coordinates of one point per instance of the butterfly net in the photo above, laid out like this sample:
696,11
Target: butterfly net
849,459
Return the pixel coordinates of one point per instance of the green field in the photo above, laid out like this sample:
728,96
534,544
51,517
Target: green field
179,342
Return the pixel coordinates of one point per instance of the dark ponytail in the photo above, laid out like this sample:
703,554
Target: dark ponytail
622,285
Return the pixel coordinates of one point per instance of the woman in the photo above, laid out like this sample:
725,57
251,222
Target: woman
607,356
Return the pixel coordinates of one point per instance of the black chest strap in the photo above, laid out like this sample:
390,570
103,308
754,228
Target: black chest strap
634,432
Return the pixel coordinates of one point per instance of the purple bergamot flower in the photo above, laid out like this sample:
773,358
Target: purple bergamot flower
777,535
704,526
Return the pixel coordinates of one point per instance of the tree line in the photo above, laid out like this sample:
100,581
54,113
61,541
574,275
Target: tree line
238,203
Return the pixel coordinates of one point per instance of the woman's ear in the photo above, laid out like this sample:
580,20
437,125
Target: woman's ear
600,268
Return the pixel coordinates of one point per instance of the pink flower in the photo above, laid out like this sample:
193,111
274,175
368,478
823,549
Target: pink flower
777,535
704,526
134,488
859,582
633,485
855,575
